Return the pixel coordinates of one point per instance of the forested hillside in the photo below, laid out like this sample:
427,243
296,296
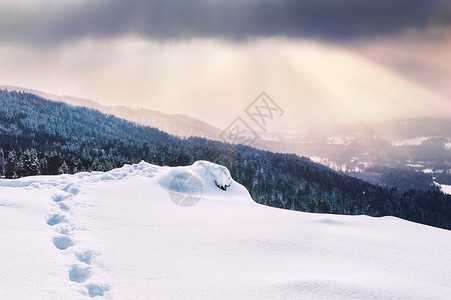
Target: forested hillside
45,137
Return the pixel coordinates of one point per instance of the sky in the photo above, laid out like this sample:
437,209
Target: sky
319,60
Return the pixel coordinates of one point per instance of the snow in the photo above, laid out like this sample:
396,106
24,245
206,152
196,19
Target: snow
414,165
218,174
317,159
411,142
121,235
340,140
444,188
447,145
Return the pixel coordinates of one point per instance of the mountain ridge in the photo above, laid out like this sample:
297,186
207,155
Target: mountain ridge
47,137
366,151
177,124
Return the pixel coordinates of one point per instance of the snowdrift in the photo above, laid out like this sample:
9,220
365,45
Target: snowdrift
149,232
202,180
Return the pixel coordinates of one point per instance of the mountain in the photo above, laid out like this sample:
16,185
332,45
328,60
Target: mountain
420,143
406,154
178,124
46,137
417,151
120,235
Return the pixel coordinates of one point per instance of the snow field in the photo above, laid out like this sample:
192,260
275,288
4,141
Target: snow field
118,235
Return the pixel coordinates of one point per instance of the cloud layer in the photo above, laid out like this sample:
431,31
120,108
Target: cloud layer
322,60
49,22
214,80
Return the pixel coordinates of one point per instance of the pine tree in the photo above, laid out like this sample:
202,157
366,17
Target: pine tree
96,165
43,166
10,166
30,162
63,169
2,163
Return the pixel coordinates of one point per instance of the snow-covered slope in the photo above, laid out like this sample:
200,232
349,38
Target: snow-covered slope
128,234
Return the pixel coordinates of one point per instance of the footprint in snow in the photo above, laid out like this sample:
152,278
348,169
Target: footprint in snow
79,274
64,228
60,197
95,290
86,256
63,242
63,206
71,188
55,219
60,223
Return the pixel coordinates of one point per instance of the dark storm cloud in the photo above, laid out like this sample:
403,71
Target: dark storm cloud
171,19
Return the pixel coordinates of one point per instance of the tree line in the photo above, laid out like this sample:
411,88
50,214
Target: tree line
38,136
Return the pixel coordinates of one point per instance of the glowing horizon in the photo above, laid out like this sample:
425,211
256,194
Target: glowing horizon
349,76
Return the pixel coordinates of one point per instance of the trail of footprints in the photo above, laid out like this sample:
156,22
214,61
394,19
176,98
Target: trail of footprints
61,220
